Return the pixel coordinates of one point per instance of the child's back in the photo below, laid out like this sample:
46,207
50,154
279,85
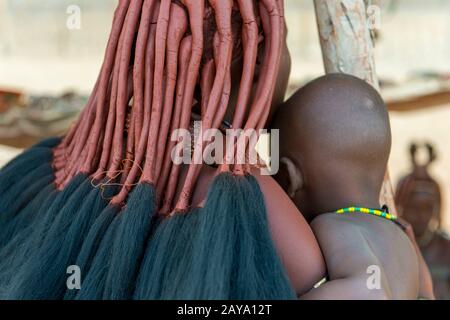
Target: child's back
368,257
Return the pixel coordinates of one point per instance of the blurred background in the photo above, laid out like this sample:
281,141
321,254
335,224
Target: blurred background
48,66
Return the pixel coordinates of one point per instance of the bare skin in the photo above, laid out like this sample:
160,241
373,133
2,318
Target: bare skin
335,142
351,244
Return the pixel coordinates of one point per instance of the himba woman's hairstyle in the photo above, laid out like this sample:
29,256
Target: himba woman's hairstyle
165,58
157,54
420,181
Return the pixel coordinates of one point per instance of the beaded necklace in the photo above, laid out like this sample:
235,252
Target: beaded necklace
384,213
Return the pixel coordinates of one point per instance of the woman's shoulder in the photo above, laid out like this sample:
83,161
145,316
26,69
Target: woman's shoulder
293,237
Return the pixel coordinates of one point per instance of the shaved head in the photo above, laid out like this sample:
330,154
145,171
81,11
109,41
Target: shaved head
336,131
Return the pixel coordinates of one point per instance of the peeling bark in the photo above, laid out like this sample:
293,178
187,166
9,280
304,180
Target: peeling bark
347,47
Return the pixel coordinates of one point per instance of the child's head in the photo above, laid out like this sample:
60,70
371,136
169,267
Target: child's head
335,141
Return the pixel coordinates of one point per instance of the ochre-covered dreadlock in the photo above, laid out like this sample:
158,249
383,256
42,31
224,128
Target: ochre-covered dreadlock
157,54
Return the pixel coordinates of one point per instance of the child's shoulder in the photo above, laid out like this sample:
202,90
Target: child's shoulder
354,220
337,231
354,226
334,220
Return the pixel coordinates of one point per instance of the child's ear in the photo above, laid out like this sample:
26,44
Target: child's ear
295,180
